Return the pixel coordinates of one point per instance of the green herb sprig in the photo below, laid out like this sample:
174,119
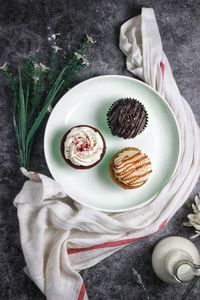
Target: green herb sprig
35,90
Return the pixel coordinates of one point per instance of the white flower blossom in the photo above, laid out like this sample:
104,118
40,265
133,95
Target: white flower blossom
4,67
56,48
194,219
53,36
35,78
44,68
50,108
89,39
85,62
36,66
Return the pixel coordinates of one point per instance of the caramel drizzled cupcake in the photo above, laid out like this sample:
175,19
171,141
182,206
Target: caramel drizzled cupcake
130,168
127,118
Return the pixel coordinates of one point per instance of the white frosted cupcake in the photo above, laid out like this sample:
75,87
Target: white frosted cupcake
83,147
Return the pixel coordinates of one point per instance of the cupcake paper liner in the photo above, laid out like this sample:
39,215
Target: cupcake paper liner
122,129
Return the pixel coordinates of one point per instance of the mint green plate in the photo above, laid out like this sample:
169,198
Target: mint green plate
88,103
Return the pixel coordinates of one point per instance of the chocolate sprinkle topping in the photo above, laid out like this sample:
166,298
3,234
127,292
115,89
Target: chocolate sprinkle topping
127,118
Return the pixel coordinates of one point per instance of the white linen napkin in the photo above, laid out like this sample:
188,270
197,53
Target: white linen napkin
60,237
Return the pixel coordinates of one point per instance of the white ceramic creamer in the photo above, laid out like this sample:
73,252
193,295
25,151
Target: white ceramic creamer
176,259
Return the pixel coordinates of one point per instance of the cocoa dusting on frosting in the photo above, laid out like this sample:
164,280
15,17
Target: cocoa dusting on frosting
127,118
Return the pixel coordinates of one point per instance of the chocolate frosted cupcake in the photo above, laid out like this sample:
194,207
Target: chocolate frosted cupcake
130,168
83,147
127,118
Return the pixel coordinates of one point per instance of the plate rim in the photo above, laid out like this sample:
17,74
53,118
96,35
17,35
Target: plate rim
82,83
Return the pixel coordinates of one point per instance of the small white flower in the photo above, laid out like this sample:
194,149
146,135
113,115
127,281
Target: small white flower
50,108
4,67
85,62
54,35
35,78
78,55
44,68
56,48
194,219
89,39
36,66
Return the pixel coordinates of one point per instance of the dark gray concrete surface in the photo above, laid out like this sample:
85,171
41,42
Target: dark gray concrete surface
24,29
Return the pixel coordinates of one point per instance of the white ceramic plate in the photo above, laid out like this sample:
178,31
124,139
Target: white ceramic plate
88,103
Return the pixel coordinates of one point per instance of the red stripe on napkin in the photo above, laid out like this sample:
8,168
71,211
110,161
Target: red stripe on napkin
105,245
82,292
162,66
110,244
162,225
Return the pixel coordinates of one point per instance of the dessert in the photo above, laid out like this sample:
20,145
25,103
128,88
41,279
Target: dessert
127,118
83,147
130,168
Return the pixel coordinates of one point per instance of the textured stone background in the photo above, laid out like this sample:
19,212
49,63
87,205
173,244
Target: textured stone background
24,29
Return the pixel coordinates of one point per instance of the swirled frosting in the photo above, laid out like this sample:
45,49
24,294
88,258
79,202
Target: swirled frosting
131,167
127,118
83,146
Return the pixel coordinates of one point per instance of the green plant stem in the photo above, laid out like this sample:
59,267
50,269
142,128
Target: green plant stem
30,105
22,118
53,71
